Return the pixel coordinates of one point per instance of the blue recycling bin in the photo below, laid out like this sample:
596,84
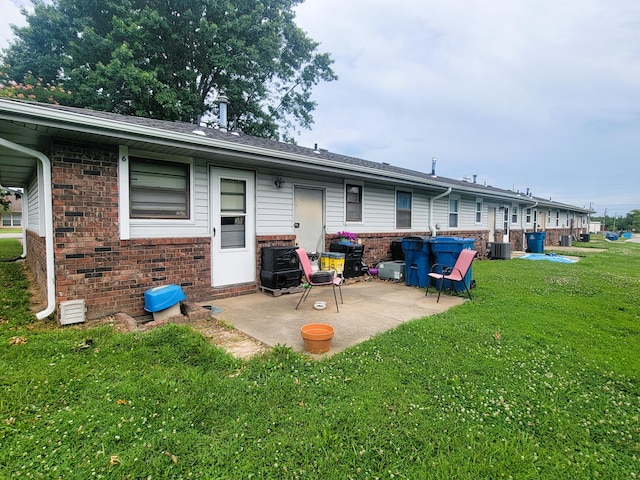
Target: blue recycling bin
445,251
417,256
535,242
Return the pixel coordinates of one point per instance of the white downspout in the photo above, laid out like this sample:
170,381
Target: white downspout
431,226
25,202
48,222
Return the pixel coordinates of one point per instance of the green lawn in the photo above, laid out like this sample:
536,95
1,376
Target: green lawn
11,230
538,377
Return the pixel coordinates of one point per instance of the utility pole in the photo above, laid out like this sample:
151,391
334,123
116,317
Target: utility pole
605,219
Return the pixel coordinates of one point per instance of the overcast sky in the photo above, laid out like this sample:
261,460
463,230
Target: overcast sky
538,94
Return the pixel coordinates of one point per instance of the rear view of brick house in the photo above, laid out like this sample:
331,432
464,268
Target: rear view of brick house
116,205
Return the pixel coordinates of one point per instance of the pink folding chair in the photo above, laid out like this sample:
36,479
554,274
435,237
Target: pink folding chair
454,274
317,279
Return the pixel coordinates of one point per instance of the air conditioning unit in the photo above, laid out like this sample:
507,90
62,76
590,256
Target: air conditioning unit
500,251
72,311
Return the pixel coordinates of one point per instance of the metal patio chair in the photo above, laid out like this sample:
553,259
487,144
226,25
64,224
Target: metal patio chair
455,274
317,279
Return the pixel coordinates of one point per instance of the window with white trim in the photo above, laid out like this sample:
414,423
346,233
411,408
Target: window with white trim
159,189
514,214
454,207
479,205
528,215
11,219
353,202
403,209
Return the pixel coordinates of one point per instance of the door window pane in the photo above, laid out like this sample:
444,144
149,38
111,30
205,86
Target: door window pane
233,209
233,232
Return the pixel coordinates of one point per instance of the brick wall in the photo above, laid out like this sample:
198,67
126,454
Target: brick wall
377,246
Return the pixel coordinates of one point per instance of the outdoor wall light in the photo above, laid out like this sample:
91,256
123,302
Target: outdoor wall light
278,182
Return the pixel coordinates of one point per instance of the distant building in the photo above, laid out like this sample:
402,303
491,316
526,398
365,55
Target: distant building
595,227
13,216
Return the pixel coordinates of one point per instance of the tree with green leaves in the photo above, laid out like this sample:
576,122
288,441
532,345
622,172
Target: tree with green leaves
32,88
170,59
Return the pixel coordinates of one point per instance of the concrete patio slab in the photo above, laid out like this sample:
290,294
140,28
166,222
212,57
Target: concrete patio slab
369,308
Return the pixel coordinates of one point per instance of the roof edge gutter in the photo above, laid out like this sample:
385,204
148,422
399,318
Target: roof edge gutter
85,123
48,222
437,197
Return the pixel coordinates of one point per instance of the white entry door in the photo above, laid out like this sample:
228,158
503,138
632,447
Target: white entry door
233,232
491,221
308,217
505,224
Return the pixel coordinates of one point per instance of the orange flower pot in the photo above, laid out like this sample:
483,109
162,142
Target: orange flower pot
317,337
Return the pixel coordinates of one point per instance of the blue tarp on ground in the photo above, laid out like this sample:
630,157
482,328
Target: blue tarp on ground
551,257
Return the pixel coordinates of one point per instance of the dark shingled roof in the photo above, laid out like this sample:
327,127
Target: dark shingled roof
275,147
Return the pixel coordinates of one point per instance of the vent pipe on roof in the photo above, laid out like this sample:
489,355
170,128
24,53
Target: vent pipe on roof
222,101
475,178
433,165
198,130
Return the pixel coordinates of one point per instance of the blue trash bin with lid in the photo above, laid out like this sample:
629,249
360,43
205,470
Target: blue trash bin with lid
445,251
535,242
417,256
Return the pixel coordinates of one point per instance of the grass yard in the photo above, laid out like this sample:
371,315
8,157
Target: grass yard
537,378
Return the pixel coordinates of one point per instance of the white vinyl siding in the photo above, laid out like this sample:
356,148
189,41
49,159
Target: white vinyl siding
33,206
274,214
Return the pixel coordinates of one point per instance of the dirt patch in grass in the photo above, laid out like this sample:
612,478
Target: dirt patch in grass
235,342
38,297
238,344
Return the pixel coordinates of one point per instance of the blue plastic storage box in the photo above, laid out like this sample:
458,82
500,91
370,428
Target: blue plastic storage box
165,296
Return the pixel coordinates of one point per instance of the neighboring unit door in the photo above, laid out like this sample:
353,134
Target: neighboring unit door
308,218
543,221
491,221
505,224
233,232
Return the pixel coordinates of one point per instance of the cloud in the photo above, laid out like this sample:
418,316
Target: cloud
10,15
535,94
540,94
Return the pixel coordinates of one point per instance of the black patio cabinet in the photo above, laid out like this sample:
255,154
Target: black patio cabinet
352,257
